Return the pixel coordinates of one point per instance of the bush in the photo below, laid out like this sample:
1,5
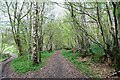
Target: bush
98,51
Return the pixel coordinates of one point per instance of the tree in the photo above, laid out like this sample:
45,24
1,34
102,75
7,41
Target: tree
35,35
15,22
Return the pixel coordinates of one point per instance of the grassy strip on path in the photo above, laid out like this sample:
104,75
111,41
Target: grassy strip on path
82,66
23,65
4,57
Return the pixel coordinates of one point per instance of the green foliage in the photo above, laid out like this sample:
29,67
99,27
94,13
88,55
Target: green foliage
10,49
117,60
22,65
97,51
82,66
4,57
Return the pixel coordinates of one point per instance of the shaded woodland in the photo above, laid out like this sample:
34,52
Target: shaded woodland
89,29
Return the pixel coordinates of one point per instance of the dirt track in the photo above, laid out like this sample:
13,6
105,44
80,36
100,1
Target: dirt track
58,67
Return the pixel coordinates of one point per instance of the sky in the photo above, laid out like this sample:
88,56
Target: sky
59,11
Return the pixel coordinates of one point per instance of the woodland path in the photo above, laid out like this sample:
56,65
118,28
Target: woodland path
57,67
4,66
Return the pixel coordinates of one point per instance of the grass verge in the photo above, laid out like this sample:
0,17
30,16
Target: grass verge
82,66
22,64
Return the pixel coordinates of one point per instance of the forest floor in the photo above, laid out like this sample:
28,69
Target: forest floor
58,67
88,66
103,70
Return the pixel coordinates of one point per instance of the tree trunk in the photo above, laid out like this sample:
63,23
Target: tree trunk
35,36
116,46
30,30
19,45
118,7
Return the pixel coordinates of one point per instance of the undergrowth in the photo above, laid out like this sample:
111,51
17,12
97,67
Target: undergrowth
23,64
